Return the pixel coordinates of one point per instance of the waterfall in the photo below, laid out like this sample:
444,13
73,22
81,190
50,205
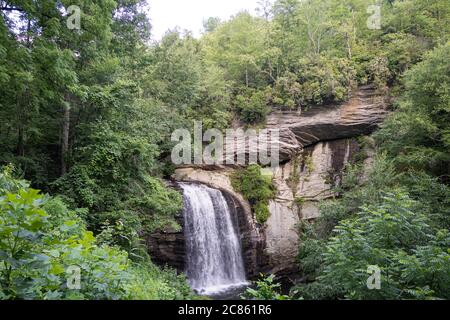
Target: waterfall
213,249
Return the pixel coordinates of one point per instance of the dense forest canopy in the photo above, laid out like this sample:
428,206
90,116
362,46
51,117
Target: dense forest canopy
86,116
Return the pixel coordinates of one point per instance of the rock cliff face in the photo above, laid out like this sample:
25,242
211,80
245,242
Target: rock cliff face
301,184
359,116
315,147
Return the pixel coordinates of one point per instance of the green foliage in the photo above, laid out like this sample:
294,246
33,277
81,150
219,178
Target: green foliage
111,178
421,124
299,201
238,47
256,188
286,92
432,195
88,115
311,52
262,212
394,237
252,107
317,81
396,216
310,250
175,75
40,239
132,207
150,283
379,73
266,289
403,51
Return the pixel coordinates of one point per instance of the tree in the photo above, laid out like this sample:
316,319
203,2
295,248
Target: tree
54,69
174,76
421,124
211,24
237,47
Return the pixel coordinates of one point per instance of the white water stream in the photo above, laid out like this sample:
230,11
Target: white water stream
214,255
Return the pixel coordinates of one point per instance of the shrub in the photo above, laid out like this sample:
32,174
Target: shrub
399,240
252,107
37,247
256,188
266,289
262,212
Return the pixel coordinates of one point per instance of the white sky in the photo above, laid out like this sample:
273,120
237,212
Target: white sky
189,14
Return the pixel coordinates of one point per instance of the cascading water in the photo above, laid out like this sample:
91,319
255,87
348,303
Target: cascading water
214,256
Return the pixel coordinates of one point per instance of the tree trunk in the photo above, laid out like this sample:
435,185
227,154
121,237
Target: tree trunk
349,45
20,142
65,137
246,76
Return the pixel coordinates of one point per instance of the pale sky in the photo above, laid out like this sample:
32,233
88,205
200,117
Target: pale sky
189,14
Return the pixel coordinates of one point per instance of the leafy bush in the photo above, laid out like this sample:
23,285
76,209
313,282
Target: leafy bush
377,223
256,188
286,92
432,196
37,247
316,81
266,289
151,283
394,237
252,107
262,212
421,124
397,239
403,50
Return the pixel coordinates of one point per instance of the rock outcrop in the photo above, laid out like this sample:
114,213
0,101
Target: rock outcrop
301,184
299,129
358,116
308,178
315,146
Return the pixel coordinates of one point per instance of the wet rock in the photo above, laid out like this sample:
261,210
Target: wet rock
168,247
